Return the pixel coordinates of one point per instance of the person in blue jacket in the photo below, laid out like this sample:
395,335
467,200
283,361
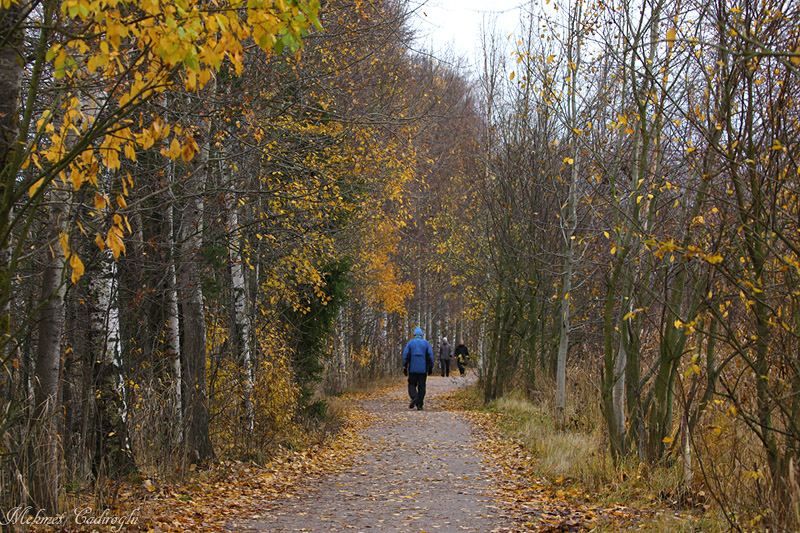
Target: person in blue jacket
417,365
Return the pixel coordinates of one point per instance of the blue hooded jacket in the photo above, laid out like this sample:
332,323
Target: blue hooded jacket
418,354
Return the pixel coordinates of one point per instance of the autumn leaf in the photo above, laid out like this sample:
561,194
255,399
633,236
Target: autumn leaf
115,242
77,268
795,58
99,202
671,37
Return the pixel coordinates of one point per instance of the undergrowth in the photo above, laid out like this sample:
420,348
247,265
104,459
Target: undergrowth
576,461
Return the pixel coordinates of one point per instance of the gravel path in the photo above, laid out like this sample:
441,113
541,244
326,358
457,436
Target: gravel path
420,471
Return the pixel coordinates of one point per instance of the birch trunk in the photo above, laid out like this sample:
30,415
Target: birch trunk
48,355
173,348
110,445
241,318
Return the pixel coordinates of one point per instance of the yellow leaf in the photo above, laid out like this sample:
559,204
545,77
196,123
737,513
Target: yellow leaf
35,187
714,259
511,77
63,241
671,37
77,268
569,160
99,202
187,152
667,440
121,201
551,58
690,149
795,58
114,241
174,149
98,240
77,179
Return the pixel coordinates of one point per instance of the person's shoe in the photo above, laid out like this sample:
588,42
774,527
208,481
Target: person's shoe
412,404
419,408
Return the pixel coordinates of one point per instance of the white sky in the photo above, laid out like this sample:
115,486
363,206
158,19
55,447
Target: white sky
456,24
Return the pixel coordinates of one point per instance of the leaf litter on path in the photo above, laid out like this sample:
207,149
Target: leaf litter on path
388,468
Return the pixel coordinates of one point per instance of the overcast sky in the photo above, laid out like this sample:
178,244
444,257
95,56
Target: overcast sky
457,23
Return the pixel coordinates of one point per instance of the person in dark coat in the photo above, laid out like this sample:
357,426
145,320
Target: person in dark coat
445,351
461,354
417,365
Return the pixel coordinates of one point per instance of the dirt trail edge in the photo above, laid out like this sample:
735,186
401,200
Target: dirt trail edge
418,471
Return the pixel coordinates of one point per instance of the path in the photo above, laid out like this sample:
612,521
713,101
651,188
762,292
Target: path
419,471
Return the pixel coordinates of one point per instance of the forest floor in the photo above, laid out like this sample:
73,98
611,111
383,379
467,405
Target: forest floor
446,468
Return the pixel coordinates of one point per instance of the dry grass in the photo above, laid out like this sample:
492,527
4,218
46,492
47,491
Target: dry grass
569,453
578,456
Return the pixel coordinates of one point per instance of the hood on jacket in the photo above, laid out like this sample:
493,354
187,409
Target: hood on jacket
418,332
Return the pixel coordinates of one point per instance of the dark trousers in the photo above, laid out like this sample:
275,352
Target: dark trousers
416,387
445,364
460,367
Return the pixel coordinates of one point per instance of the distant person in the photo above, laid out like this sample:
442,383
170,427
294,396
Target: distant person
445,351
417,365
461,354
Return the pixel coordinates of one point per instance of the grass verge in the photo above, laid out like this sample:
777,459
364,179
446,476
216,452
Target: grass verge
574,466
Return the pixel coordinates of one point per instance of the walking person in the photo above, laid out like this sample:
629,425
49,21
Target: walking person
417,365
461,354
445,350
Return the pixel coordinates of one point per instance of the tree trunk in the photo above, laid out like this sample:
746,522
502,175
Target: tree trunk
110,444
173,334
241,318
48,356
11,63
193,355
571,219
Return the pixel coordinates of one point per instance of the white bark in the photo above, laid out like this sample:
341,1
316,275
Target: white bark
104,316
241,317
104,327
686,450
620,408
48,354
173,333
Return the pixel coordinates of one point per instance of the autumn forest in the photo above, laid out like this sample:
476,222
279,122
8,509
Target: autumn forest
216,216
